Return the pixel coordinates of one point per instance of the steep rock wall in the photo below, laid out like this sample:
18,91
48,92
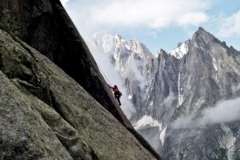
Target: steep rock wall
45,114
45,26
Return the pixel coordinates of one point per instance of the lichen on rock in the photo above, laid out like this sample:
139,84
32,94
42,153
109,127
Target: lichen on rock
45,114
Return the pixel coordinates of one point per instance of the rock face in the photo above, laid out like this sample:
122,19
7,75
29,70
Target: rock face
44,113
131,59
45,26
208,74
188,107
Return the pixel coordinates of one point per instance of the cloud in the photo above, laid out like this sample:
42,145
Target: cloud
169,100
236,89
230,26
64,2
193,18
223,112
151,14
112,77
132,70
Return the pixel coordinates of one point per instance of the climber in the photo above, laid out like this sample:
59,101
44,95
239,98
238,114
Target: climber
117,93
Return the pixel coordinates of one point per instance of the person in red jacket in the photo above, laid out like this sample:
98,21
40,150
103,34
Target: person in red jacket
117,93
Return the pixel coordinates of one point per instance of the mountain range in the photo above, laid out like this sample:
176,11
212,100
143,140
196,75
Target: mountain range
186,101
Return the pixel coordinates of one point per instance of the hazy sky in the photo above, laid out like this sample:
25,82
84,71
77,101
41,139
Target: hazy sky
159,24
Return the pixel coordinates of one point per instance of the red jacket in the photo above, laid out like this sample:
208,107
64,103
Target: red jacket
115,89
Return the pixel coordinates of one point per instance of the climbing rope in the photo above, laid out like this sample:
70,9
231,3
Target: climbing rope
104,76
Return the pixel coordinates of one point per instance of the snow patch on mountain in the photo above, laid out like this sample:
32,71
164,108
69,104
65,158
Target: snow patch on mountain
228,142
162,135
180,96
180,51
181,93
147,121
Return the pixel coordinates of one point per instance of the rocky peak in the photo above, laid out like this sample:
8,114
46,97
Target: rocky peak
194,78
201,40
140,49
161,52
118,38
181,50
201,31
202,35
116,45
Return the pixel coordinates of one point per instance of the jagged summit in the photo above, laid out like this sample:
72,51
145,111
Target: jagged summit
203,35
180,109
116,44
202,40
162,51
201,30
181,50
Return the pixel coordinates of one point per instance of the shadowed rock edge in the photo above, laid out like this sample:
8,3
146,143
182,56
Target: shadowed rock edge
46,26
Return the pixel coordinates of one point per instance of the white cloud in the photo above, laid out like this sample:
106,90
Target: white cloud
64,2
112,77
153,14
236,89
230,26
193,18
223,112
169,100
132,71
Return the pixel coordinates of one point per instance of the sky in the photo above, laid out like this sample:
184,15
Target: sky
159,24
